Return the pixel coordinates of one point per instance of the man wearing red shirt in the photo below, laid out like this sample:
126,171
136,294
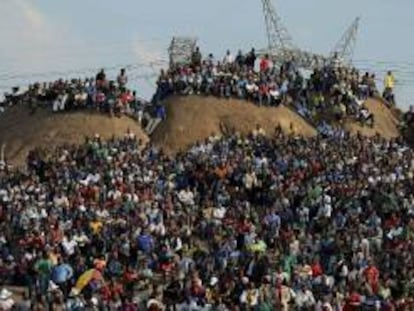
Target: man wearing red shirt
316,269
264,96
265,64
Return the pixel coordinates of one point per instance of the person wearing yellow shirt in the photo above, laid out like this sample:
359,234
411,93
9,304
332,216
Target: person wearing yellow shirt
389,81
96,226
389,84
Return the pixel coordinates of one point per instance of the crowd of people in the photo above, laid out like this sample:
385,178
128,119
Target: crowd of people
331,90
235,223
99,93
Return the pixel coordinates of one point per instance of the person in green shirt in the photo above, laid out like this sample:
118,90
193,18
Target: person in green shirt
263,305
43,267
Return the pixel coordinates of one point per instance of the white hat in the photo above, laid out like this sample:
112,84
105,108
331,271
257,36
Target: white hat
5,294
213,281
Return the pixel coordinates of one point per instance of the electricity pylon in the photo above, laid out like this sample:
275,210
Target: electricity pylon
344,49
282,48
181,49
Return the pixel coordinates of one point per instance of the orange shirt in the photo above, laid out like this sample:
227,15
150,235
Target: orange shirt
221,172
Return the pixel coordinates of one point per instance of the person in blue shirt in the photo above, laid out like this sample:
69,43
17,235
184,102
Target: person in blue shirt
145,242
62,274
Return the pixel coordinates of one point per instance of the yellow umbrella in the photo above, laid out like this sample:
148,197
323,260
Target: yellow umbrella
86,278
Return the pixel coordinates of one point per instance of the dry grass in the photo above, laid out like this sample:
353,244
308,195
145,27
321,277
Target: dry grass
190,119
386,122
193,118
22,132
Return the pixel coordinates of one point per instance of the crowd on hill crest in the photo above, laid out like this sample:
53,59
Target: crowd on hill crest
331,90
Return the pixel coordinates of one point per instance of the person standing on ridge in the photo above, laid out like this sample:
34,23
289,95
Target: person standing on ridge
389,84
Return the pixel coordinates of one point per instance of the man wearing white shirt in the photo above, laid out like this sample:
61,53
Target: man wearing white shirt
219,213
304,299
186,196
69,245
228,59
251,89
250,296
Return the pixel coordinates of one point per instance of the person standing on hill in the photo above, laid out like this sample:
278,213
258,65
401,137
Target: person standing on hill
196,58
389,81
251,59
389,84
228,59
122,78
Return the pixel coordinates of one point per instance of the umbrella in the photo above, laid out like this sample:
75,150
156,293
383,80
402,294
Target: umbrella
87,277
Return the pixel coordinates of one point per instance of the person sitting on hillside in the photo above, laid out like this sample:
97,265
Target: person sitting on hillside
366,117
60,102
251,90
409,117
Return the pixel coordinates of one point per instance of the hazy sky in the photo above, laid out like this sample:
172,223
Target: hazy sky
41,39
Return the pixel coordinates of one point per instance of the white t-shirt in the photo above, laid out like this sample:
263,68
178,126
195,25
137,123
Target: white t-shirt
250,297
251,87
228,59
219,213
69,246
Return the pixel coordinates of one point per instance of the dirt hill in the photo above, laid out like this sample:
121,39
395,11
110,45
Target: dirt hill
190,119
21,132
386,122
194,118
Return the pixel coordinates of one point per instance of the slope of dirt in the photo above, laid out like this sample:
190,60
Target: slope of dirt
195,118
20,131
386,122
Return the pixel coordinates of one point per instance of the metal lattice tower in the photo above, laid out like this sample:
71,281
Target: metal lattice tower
181,50
282,48
344,49
280,43
279,39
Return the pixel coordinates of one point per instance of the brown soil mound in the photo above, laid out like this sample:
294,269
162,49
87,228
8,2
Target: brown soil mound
20,131
195,118
386,122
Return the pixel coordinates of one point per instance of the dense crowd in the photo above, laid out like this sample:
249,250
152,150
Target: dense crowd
99,94
235,223
331,90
